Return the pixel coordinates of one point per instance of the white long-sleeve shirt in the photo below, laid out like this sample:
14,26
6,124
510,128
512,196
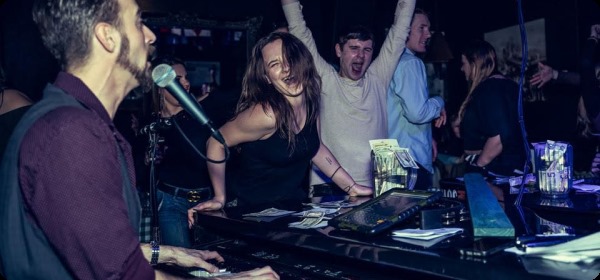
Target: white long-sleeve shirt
354,112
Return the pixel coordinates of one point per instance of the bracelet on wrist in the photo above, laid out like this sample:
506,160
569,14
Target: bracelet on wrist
336,170
155,251
348,188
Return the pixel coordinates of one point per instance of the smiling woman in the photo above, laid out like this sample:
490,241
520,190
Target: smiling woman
275,130
274,127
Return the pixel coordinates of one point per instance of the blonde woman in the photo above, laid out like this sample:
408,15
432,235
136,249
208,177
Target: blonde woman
488,121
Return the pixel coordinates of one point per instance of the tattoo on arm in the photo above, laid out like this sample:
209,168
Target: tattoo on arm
329,160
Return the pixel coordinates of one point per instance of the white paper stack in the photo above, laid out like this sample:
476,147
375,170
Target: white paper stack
575,259
424,237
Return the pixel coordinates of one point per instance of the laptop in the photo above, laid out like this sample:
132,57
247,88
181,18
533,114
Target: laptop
384,211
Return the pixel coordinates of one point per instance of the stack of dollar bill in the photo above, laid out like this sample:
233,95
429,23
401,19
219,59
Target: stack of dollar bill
311,219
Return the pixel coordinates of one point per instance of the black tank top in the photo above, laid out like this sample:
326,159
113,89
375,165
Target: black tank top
181,165
265,173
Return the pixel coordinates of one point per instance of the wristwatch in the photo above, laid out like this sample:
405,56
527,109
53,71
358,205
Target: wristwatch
155,250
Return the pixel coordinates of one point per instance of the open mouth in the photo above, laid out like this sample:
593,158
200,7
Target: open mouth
357,67
152,53
289,80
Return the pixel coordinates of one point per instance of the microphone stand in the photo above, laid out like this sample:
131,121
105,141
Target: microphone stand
152,142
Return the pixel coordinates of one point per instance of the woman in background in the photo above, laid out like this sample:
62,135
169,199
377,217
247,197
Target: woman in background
488,120
181,174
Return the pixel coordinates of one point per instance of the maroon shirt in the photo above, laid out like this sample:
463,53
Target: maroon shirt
70,176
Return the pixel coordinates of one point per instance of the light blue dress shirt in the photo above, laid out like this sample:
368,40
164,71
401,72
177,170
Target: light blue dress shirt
411,110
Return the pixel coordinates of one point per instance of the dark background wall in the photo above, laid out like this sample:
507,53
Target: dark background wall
29,66
567,24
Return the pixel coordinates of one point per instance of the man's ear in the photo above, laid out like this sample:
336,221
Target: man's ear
338,50
107,36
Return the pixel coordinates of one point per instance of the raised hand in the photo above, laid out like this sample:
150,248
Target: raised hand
543,75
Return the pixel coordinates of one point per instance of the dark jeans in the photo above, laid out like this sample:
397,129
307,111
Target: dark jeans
173,220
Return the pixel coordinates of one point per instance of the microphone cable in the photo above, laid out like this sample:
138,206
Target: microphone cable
205,157
524,57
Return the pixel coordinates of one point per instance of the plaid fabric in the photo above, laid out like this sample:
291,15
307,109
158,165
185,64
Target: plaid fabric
146,220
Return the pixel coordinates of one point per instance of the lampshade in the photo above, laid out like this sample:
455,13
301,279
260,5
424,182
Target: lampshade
438,49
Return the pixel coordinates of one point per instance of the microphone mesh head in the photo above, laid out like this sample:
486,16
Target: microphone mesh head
163,75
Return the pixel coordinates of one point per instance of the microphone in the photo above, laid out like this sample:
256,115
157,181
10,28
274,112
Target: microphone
164,76
160,124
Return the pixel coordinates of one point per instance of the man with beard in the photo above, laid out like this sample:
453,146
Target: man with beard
68,206
353,99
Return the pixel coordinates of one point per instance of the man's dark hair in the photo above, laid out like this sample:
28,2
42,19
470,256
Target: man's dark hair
67,26
359,32
418,11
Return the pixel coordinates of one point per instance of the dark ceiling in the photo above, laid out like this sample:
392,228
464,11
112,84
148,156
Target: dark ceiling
567,24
